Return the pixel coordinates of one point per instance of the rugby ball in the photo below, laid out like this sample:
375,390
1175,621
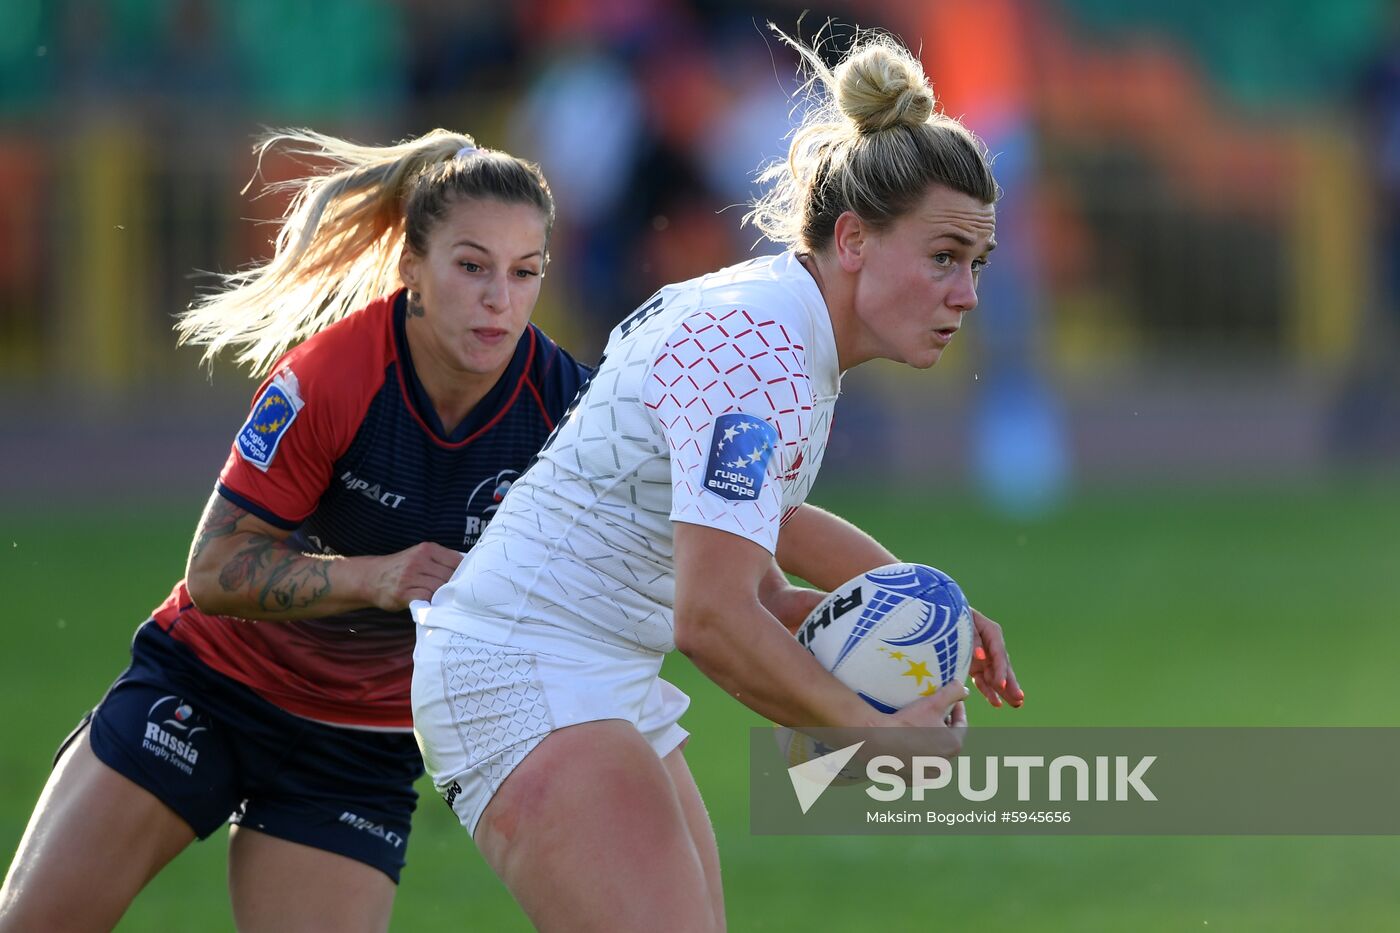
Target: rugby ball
893,634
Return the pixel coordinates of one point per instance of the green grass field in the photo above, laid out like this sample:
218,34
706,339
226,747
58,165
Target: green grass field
1229,606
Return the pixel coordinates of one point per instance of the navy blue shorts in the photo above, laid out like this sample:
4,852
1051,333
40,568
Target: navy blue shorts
214,751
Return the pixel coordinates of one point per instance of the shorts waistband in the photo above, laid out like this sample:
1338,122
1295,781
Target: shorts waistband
542,637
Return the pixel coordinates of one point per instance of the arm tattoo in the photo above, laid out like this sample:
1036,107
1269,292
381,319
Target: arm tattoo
220,520
274,575
279,578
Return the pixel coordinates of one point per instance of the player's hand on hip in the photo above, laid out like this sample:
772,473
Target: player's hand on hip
414,573
991,666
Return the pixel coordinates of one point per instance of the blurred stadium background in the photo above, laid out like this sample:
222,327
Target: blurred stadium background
1164,454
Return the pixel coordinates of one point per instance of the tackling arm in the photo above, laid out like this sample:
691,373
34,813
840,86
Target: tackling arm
239,565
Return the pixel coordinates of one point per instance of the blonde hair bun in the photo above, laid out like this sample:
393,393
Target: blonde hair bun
882,86
842,158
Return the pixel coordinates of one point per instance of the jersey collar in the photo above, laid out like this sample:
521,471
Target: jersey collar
498,397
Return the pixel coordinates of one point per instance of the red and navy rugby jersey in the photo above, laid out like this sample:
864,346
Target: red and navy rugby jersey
343,448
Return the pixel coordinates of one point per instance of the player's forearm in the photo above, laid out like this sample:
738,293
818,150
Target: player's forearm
263,578
743,649
826,550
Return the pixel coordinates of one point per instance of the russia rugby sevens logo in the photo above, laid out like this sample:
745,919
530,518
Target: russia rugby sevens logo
482,504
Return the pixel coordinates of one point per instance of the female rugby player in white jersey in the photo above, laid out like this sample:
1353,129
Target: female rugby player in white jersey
653,517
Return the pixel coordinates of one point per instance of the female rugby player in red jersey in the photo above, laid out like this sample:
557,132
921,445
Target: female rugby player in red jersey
272,686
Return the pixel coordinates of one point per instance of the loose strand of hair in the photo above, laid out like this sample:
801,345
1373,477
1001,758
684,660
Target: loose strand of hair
335,251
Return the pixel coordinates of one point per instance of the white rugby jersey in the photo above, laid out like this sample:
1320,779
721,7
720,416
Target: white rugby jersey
711,405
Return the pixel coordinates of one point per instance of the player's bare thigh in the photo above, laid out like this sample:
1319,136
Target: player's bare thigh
702,831
589,833
277,885
94,841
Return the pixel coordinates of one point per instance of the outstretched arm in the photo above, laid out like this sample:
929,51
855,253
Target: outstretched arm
239,565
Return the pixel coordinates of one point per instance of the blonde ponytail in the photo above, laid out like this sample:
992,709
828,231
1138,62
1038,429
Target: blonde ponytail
336,251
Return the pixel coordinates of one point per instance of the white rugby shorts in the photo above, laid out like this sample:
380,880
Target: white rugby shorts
480,707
